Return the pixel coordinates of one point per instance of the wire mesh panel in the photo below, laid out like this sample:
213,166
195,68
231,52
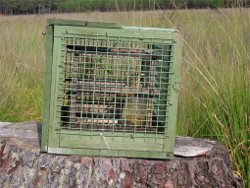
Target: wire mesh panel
112,91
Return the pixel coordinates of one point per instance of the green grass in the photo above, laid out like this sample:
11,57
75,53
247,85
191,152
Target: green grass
21,70
215,88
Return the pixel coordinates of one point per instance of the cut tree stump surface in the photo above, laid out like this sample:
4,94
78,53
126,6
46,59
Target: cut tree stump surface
197,163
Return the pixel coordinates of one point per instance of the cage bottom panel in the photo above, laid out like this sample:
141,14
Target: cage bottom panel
111,143
111,153
117,145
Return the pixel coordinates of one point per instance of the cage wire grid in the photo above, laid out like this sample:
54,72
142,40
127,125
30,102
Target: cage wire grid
114,85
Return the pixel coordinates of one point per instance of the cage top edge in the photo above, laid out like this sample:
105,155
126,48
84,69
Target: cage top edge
171,30
111,25
84,23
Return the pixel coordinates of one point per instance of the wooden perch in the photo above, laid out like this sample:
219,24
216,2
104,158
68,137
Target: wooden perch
197,163
110,87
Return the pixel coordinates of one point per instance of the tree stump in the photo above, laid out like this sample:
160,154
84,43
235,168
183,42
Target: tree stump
197,163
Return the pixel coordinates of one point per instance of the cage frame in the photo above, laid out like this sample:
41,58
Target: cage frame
50,141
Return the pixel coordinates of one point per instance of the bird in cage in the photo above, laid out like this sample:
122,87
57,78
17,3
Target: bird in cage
132,86
134,112
134,109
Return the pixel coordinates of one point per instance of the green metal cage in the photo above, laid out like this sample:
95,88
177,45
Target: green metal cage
110,90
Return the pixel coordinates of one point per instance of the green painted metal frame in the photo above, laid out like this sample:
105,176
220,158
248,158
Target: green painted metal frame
53,141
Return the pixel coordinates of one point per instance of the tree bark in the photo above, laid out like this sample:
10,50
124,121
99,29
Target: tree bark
197,163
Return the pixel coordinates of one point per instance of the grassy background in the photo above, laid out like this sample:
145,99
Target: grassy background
215,89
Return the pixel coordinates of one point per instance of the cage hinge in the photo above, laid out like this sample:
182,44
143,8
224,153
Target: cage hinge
176,86
169,104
